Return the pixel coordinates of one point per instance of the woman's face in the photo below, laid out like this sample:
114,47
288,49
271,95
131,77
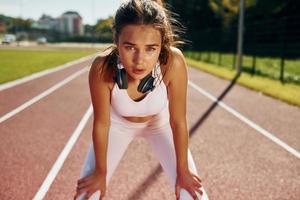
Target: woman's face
139,48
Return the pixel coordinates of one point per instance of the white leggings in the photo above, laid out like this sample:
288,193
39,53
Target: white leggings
159,135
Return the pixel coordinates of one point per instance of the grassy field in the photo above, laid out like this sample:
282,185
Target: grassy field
264,66
15,63
287,92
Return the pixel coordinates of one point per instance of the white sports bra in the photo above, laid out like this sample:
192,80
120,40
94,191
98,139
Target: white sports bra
153,103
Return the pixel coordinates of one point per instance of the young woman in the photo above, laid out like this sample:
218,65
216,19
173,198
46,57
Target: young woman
139,89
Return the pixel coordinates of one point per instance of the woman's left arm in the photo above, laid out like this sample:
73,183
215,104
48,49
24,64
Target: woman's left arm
177,94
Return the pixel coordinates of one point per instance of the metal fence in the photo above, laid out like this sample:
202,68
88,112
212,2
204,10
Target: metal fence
271,48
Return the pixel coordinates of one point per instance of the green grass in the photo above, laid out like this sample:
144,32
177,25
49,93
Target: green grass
15,64
287,92
265,66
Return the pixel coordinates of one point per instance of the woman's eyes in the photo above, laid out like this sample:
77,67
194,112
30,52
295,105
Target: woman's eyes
149,49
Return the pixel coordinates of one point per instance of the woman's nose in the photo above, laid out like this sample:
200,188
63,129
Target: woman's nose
138,57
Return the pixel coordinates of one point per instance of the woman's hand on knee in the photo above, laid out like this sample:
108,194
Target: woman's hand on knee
90,184
190,182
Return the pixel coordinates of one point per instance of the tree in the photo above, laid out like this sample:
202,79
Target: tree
103,29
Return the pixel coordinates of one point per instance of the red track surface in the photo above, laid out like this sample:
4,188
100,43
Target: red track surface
234,160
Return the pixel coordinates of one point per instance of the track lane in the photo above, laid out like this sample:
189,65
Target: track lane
42,95
13,97
234,161
275,116
32,140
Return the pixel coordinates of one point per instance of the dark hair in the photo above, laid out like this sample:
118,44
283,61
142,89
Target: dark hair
146,12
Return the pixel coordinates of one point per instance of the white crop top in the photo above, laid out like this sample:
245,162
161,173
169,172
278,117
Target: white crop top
153,103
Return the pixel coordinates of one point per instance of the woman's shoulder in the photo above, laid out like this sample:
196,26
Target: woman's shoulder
99,63
175,66
176,57
100,72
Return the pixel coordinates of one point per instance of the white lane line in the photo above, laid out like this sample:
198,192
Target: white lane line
62,157
42,95
42,73
247,121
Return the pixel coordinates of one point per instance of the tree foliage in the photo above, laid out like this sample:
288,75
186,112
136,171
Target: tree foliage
206,21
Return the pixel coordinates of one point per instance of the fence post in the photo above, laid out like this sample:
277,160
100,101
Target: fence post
253,64
234,60
253,71
220,48
239,54
282,48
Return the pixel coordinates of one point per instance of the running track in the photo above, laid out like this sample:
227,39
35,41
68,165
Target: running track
246,146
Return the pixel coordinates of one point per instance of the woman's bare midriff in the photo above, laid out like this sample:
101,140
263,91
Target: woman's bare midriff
139,119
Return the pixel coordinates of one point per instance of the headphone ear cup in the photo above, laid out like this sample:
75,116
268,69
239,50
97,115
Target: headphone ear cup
121,78
146,84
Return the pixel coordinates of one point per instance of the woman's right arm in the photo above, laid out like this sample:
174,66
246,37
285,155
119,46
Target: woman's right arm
100,95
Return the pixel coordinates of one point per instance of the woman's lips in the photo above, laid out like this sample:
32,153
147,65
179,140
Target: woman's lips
139,71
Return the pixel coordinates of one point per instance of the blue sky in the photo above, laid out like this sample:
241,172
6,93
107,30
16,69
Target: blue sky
90,10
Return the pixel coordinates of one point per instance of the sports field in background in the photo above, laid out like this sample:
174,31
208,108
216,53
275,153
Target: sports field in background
260,66
288,92
17,63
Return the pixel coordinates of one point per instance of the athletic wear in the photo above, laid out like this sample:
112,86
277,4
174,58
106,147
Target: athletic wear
154,102
157,132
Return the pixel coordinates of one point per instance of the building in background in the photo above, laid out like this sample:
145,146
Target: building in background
66,26
70,23
46,22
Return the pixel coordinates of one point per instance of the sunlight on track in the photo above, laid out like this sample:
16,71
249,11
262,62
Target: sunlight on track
246,121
